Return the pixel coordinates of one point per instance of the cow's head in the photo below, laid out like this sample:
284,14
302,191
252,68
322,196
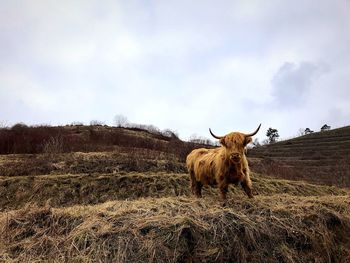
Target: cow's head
235,143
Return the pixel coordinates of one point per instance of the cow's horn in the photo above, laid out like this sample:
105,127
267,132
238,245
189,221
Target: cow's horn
212,134
253,133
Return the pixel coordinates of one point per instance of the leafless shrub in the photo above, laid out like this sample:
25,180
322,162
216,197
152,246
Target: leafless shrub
53,145
121,121
96,123
76,123
4,125
194,138
171,134
19,127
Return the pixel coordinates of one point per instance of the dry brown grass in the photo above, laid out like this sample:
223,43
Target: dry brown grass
327,173
278,229
152,217
132,203
85,189
121,159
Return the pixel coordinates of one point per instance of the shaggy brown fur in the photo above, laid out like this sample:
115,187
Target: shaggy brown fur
221,166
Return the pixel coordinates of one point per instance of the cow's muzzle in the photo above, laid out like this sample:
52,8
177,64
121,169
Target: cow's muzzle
235,157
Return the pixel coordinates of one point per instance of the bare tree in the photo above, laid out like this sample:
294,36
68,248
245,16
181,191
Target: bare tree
96,123
53,145
194,138
171,134
120,120
4,125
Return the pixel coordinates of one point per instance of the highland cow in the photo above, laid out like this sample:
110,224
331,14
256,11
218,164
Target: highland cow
221,166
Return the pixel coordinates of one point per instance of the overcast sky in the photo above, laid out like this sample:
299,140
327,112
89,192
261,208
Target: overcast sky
183,65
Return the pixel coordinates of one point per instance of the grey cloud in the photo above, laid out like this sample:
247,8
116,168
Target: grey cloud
292,82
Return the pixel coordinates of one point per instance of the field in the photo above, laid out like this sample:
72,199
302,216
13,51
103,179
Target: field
130,201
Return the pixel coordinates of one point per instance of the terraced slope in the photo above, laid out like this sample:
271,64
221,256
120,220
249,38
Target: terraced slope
322,157
87,189
132,203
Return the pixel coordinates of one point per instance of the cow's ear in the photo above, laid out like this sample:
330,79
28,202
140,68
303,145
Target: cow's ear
222,141
247,140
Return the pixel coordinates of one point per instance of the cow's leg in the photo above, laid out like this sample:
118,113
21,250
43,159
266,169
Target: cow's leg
198,189
247,186
223,193
193,182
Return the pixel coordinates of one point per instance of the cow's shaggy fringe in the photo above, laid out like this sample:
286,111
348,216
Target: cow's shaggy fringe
293,229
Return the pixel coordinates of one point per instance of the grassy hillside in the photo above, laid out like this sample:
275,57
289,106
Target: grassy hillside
84,189
22,139
274,227
130,201
322,157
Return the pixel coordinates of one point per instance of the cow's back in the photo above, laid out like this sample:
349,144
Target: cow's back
195,156
202,164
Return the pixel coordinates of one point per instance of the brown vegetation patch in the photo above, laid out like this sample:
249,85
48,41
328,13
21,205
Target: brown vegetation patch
22,139
122,159
294,229
67,190
336,173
